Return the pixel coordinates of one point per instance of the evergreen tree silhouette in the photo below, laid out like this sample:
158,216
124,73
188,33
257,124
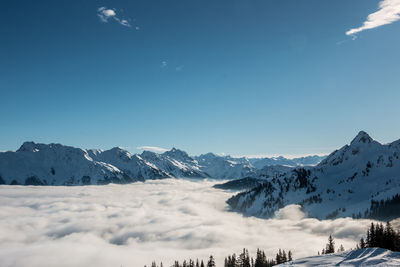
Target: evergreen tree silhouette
211,262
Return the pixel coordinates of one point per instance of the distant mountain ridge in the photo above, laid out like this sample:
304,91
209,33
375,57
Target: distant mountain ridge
343,184
56,164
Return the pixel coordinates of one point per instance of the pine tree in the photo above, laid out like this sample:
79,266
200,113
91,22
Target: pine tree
202,263
234,262
372,239
362,243
290,256
211,262
259,259
284,257
330,247
278,257
246,262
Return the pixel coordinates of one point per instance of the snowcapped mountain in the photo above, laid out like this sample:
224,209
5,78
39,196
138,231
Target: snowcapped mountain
55,164
249,182
176,163
225,167
359,257
341,185
259,163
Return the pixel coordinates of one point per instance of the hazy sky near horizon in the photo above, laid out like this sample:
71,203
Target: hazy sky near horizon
236,77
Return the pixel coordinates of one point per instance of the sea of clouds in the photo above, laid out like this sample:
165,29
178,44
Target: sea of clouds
162,220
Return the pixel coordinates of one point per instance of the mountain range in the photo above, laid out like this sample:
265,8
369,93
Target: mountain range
56,164
356,180
359,179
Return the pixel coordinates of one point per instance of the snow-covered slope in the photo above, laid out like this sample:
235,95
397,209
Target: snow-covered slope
247,183
341,185
225,167
55,164
260,163
40,164
359,257
132,165
176,163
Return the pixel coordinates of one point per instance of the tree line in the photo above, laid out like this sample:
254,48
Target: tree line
242,260
381,236
382,210
378,235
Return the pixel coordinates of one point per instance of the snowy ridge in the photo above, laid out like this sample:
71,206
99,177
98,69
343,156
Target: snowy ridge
259,163
359,257
341,185
56,164
225,167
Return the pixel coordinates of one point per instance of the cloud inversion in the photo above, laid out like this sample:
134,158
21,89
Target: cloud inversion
131,225
389,12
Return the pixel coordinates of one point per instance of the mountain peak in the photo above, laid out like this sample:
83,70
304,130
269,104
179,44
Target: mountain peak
148,154
176,153
120,152
362,137
118,149
175,150
28,146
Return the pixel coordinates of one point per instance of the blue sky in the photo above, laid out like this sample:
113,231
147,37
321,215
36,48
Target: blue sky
236,77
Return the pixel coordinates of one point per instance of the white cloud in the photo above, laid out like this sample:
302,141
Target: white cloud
105,14
131,225
389,12
163,64
152,148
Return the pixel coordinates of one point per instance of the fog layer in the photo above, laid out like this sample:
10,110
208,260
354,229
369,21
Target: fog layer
131,225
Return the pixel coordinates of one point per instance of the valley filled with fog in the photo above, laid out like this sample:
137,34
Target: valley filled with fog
162,220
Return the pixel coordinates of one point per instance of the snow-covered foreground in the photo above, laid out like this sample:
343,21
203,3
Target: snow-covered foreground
130,225
360,257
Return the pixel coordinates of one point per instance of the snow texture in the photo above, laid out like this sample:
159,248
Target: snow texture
341,185
360,257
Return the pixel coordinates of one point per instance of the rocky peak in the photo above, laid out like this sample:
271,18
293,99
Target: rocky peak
28,147
361,138
177,154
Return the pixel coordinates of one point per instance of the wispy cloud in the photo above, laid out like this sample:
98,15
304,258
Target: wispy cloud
179,68
164,64
152,148
389,12
106,14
